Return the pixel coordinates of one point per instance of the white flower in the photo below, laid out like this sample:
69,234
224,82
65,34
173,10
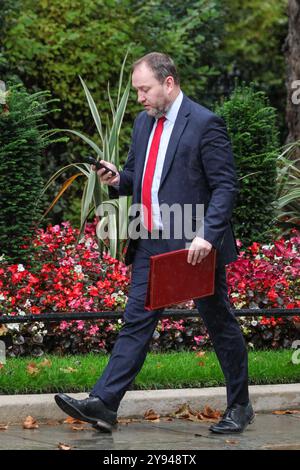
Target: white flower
44,332
27,304
2,257
78,269
2,297
13,326
34,328
253,322
21,312
88,243
20,268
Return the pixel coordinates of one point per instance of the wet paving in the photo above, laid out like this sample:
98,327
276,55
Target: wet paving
268,432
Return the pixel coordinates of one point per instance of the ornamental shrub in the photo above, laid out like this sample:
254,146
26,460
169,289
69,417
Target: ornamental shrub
251,124
22,141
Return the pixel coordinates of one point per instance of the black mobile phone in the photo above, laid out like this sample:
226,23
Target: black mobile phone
99,165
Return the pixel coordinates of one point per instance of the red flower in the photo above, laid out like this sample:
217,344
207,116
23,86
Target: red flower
272,295
93,291
35,310
254,248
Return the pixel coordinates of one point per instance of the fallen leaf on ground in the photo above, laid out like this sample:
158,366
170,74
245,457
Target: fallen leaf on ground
52,422
201,363
228,441
32,368
63,446
30,423
79,428
128,420
184,412
151,415
285,412
68,370
202,417
208,414
46,363
200,354
3,427
70,420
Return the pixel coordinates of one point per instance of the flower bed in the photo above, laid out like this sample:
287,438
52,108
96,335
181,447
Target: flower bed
64,276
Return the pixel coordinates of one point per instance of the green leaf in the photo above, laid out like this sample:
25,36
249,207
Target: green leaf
87,140
93,108
62,190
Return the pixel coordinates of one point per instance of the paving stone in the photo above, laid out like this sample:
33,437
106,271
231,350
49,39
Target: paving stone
268,432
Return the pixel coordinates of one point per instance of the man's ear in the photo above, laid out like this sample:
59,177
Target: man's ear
170,82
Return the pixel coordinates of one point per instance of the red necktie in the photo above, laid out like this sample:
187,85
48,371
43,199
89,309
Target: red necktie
149,173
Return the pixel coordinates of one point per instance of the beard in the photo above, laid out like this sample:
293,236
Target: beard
158,112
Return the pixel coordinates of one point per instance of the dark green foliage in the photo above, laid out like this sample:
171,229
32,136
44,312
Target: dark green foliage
49,44
251,124
52,43
21,144
191,32
9,9
253,49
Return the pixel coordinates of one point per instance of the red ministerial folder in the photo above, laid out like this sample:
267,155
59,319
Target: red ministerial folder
173,280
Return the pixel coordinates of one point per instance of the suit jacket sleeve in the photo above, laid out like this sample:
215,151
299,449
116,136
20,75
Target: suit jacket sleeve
219,169
127,174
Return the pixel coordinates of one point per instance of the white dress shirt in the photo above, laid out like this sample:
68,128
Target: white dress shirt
171,116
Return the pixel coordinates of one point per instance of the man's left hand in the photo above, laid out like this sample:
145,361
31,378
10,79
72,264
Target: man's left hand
198,250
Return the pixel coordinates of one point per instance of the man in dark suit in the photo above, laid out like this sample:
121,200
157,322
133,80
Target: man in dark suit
180,154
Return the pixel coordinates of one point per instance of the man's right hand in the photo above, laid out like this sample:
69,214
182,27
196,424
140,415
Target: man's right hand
108,178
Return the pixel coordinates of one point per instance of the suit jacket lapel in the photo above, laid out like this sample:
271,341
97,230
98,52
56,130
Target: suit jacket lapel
179,125
142,143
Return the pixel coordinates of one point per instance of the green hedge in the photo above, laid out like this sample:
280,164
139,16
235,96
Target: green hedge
48,44
21,145
251,124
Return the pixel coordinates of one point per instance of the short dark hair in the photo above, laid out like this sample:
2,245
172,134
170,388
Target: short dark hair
161,64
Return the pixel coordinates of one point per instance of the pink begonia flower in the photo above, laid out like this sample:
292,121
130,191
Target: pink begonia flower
93,330
56,229
63,325
87,304
75,304
198,339
80,324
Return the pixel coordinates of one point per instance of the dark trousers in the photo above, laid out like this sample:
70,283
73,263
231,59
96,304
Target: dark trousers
132,344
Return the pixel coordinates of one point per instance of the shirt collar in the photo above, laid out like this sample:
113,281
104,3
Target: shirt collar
172,112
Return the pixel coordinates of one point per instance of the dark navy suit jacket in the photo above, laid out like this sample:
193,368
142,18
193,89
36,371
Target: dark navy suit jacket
198,169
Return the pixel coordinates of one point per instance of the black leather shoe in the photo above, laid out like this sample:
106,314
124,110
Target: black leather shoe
235,419
91,410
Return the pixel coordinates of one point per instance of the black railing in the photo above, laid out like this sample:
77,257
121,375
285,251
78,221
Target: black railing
168,313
